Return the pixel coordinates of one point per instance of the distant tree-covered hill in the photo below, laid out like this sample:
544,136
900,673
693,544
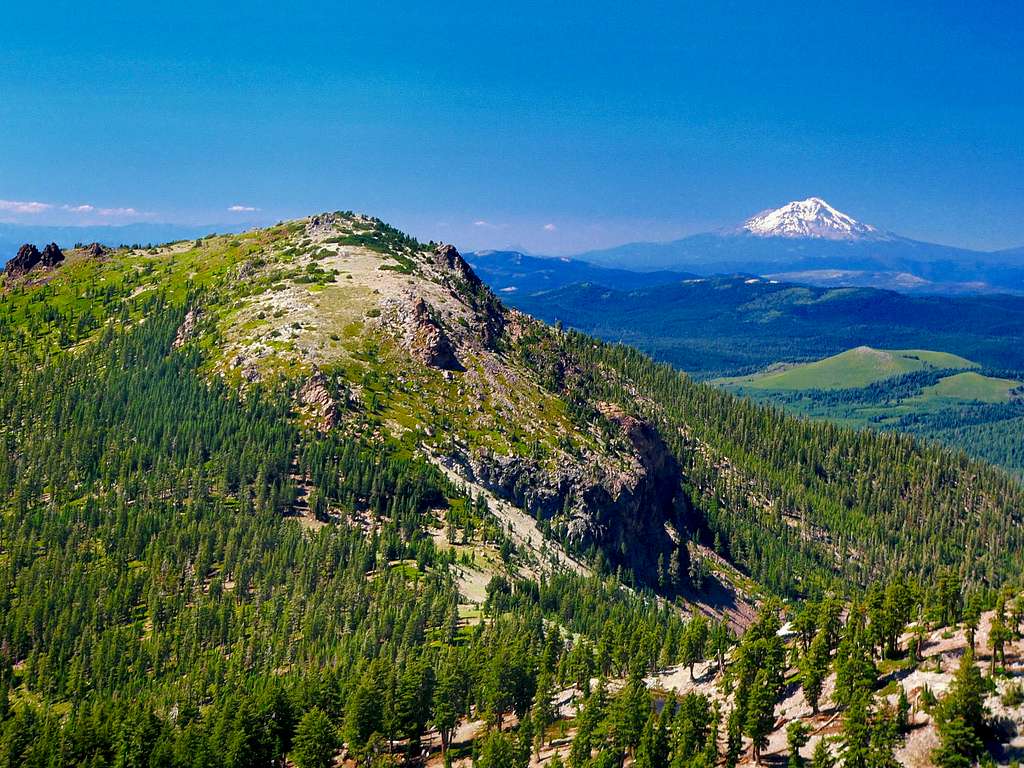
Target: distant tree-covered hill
720,326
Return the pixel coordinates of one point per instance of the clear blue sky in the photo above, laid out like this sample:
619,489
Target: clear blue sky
554,126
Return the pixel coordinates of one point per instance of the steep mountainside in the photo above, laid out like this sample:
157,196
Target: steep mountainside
392,340
322,466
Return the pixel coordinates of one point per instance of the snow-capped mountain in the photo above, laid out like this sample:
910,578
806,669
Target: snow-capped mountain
809,241
812,217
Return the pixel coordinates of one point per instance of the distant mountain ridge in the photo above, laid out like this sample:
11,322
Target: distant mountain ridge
810,241
508,272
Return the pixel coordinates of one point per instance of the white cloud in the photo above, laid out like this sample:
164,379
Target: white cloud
127,212
482,223
550,227
20,206
65,213
120,212
242,209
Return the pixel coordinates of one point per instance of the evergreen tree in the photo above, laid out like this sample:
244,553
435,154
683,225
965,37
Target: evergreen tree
797,735
972,616
315,741
760,712
822,756
694,641
960,716
856,732
543,711
814,669
653,751
448,701
499,750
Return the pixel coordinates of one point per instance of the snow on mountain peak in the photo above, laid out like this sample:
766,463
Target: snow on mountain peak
812,217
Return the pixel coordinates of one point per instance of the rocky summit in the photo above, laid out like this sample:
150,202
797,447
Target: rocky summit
29,257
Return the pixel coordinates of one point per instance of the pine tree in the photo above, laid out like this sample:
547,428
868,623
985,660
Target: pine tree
957,746
586,724
856,732
814,669
797,735
998,635
544,712
694,641
630,711
903,711
822,756
448,701
885,736
960,716
653,750
315,741
760,712
499,750
972,616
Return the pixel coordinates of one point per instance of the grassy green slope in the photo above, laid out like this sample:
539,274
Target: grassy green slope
973,386
857,367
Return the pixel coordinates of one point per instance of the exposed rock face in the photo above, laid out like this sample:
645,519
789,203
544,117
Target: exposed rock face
447,257
323,223
96,250
28,256
52,255
488,310
315,396
624,512
429,344
188,327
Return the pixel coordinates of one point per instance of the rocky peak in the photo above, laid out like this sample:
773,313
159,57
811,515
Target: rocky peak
448,257
429,343
28,256
323,223
95,250
52,255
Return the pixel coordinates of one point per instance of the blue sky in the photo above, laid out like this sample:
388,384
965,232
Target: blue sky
551,126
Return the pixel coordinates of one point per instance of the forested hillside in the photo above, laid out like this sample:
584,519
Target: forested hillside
314,491
731,325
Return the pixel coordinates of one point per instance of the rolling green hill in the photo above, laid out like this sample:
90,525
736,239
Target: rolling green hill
857,367
974,387
923,392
